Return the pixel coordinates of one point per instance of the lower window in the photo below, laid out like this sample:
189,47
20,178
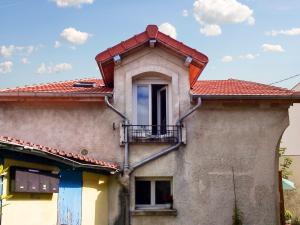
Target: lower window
153,193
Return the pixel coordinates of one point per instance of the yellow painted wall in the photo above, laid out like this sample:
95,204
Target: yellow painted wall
29,209
94,199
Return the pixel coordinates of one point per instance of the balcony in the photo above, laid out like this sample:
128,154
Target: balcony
152,133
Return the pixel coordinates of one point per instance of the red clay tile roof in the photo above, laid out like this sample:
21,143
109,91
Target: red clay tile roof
59,153
63,87
233,87
105,58
204,88
58,91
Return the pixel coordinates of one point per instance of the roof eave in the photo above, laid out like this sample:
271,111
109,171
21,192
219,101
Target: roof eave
292,98
34,96
63,160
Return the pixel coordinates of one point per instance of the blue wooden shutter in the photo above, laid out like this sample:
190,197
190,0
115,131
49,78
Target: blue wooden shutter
69,198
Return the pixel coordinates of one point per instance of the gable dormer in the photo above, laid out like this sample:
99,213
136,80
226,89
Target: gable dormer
151,37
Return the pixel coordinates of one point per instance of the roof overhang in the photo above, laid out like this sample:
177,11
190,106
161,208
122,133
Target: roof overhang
12,147
290,99
52,97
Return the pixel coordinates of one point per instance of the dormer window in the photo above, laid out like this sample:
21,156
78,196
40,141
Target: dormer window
151,104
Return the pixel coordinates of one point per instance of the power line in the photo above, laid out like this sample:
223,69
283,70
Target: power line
288,78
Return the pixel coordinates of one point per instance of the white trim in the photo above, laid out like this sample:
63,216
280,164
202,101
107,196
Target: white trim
135,102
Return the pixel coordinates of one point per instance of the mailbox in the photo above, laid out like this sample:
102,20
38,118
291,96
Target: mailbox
25,180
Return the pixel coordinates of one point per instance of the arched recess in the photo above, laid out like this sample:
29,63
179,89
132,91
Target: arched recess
156,74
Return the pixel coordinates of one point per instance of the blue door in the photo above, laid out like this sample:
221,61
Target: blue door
69,198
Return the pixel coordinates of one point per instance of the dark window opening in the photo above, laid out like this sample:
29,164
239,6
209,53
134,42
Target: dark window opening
153,193
142,192
159,108
163,192
85,84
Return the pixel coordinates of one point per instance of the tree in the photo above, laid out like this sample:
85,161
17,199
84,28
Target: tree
286,163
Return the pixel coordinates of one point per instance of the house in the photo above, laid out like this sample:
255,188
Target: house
290,141
150,143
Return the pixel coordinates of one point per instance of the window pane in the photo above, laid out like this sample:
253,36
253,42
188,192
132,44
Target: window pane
143,105
142,192
163,192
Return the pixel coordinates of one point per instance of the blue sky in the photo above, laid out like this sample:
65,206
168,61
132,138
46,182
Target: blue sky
237,46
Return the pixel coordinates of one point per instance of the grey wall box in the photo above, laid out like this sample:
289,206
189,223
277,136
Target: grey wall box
27,180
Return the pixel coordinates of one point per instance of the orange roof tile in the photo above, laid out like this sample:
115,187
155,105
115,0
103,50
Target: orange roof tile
59,153
63,87
204,88
233,87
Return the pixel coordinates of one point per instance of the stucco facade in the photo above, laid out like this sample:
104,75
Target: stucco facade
221,136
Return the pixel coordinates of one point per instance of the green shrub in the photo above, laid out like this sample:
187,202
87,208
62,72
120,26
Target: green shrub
288,215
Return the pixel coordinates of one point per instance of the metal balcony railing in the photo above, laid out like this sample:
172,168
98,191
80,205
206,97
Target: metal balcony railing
152,133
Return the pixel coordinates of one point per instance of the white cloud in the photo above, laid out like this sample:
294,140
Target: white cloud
25,61
72,3
217,12
272,48
227,59
57,44
62,67
6,66
248,56
48,69
10,50
211,30
168,29
290,32
185,13
75,36
7,51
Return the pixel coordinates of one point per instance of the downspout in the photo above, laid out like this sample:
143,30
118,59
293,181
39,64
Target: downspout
173,147
126,122
125,178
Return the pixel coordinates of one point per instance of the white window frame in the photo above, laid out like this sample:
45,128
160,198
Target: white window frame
149,83
152,204
149,103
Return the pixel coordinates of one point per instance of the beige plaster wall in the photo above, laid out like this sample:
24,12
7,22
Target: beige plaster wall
66,126
218,139
290,138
